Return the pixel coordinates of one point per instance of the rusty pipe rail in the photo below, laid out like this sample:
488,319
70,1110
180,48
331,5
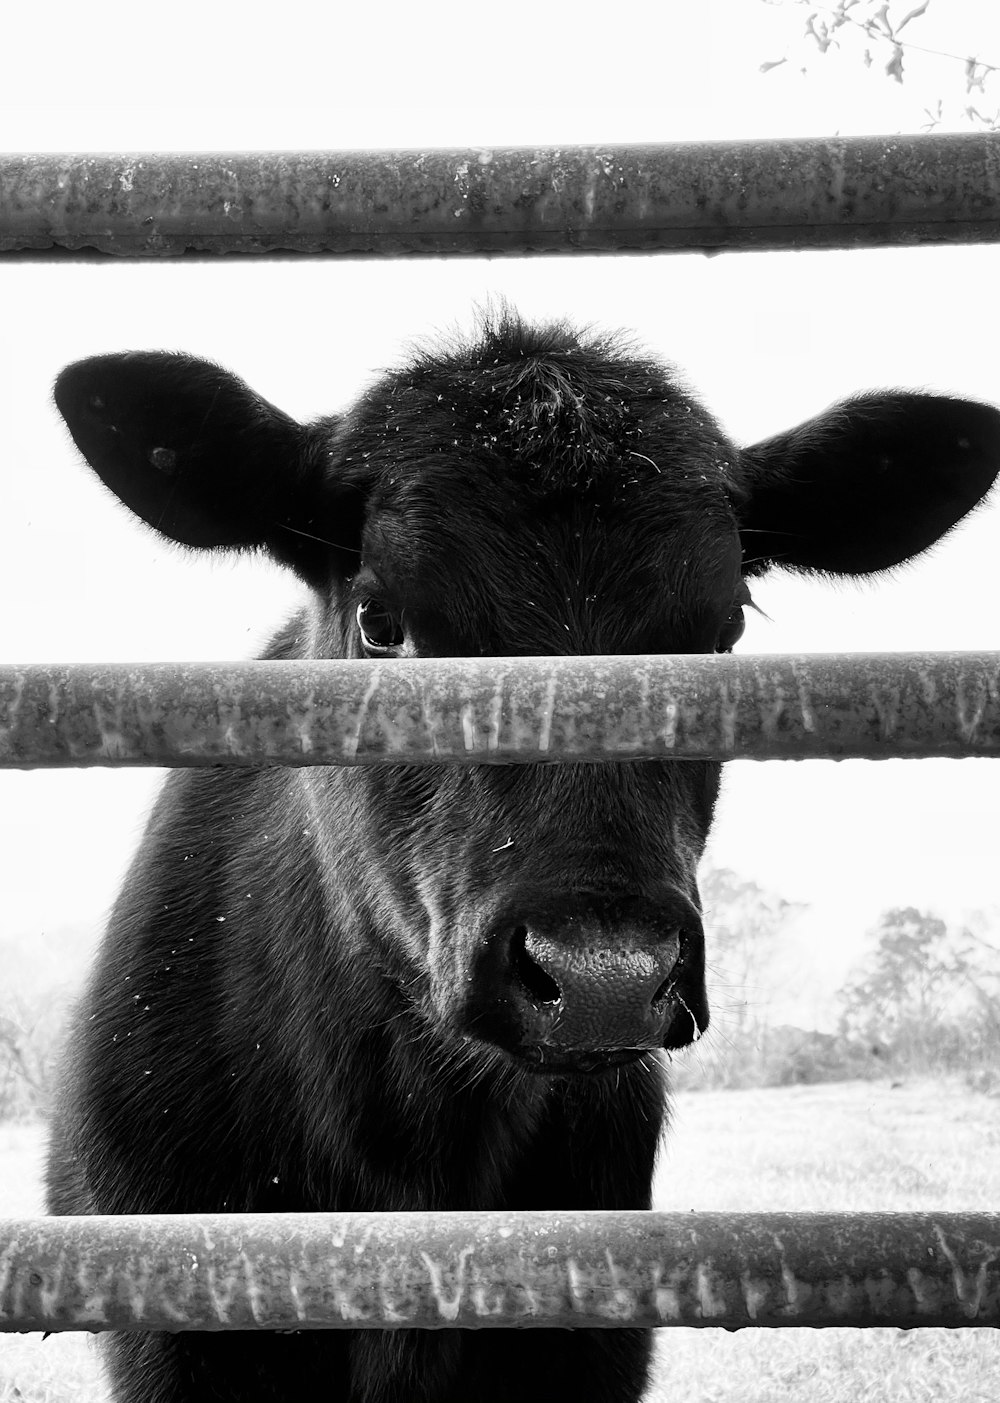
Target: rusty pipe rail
786,194
501,710
465,1270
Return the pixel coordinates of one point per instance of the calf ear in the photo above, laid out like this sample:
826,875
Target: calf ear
198,455
868,484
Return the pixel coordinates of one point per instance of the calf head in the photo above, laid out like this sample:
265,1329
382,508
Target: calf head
533,492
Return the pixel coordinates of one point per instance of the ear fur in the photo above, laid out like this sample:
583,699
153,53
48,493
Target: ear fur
868,484
198,455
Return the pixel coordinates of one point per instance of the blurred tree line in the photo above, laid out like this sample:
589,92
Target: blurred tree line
42,971
30,1034
924,1000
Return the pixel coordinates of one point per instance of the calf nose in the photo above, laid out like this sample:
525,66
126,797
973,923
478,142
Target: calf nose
581,986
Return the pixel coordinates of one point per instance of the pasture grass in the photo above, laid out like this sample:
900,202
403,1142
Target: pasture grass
851,1146
845,1147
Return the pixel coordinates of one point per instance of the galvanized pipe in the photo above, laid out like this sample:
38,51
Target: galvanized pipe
501,710
788,194
389,1271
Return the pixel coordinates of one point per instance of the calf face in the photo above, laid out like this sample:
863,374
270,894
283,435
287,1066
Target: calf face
534,492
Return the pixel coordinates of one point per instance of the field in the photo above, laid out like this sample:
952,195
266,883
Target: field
850,1146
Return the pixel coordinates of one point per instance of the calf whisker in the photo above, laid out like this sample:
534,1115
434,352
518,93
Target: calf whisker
323,541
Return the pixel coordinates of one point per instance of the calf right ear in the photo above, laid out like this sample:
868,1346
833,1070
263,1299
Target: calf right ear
205,461
867,485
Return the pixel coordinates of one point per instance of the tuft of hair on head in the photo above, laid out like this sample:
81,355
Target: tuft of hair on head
566,397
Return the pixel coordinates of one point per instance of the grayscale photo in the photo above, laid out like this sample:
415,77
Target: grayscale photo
500,704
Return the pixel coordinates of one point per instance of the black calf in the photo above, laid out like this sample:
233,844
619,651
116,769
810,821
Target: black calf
399,988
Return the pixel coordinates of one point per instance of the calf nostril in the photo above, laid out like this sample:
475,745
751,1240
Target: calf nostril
668,985
663,991
540,987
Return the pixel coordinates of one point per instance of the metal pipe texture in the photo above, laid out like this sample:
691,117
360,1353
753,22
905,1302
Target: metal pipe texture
467,1270
501,710
786,194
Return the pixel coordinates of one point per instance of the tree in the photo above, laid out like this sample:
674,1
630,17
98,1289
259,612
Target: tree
26,1039
927,998
744,924
745,930
874,28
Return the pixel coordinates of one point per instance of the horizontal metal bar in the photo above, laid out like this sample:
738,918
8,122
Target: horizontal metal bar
426,1270
501,710
787,194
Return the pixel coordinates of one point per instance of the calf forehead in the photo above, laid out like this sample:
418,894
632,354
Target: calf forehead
562,411
548,450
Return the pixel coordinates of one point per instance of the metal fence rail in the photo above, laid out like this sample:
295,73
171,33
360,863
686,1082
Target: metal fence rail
486,1269
466,1270
502,710
829,193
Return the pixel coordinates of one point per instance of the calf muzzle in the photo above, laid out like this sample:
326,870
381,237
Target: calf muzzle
599,982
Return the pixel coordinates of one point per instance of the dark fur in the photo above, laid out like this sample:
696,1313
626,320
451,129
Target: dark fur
296,1004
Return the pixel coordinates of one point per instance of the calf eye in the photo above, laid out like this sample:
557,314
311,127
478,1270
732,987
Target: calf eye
732,630
380,629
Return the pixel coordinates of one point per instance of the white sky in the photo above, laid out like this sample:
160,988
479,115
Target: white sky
766,339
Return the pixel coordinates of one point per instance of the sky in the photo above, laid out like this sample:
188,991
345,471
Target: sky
765,339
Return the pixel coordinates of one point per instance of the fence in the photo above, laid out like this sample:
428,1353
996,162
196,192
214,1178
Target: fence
604,1269
829,193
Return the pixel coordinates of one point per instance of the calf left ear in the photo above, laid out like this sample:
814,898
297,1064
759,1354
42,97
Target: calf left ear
866,485
204,460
